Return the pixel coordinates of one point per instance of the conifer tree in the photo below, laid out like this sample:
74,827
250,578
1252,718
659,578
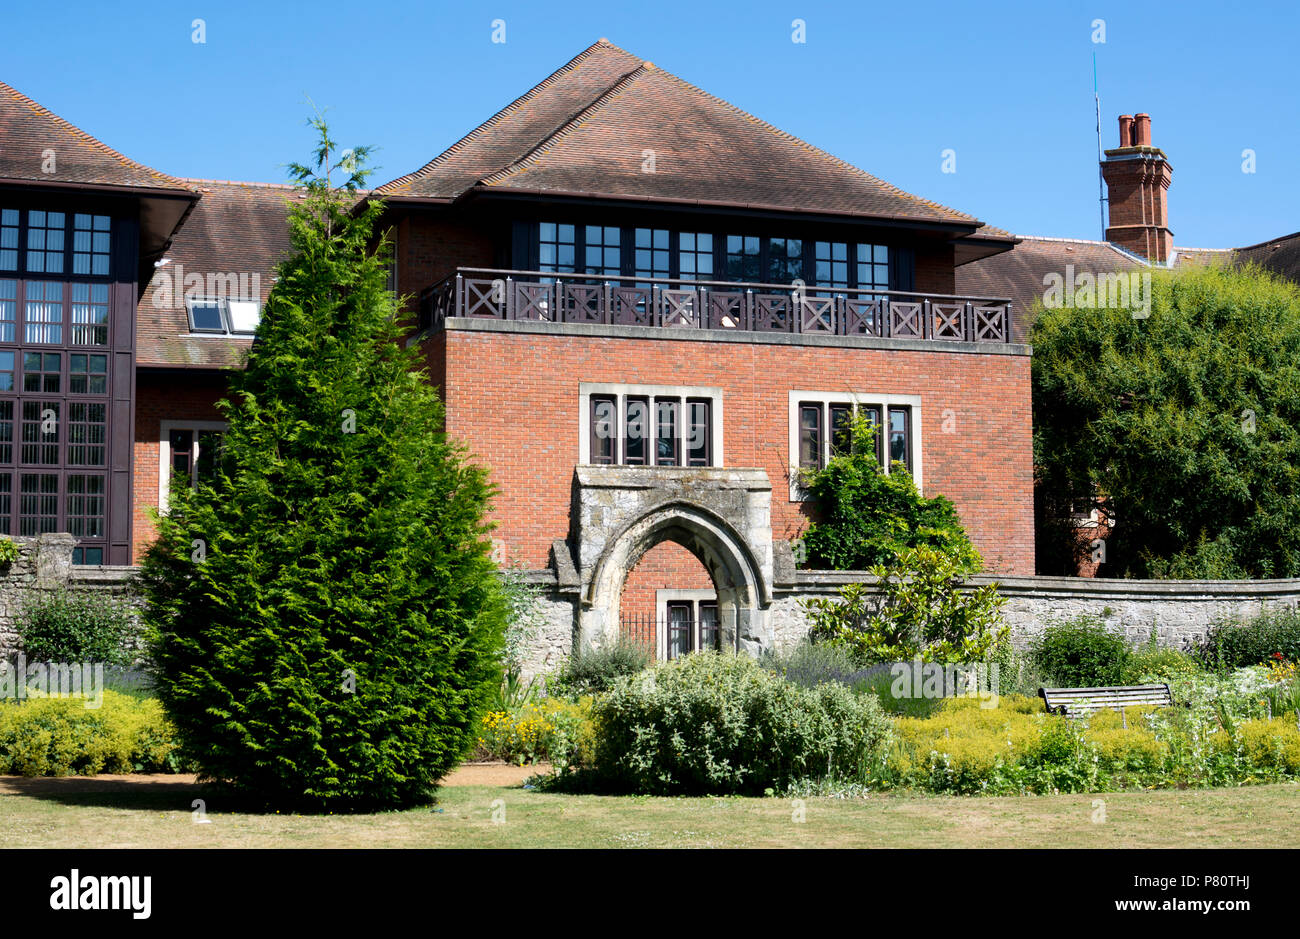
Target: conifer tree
325,621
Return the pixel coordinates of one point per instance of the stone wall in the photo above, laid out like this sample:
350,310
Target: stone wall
1179,611
44,565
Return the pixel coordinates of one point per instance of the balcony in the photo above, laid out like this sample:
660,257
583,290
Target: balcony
483,293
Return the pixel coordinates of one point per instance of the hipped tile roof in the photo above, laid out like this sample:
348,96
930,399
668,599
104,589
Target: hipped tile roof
593,127
28,131
236,229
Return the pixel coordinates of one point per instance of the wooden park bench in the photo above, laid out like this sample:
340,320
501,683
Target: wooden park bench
1080,702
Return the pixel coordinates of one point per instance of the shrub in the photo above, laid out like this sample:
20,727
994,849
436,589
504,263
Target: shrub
1205,474
867,517
720,723
1229,645
328,623
1081,653
552,729
593,670
9,551
916,610
58,736
67,626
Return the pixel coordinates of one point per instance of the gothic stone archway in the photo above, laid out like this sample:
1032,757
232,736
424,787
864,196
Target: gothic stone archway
723,516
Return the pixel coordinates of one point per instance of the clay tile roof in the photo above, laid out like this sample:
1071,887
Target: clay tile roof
587,129
1281,256
28,130
1019,273
238,229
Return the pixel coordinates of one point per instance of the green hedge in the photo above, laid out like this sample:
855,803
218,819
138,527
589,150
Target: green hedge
720,723
1081,653
1231,645
62,737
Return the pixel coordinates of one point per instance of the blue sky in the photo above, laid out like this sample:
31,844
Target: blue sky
888,87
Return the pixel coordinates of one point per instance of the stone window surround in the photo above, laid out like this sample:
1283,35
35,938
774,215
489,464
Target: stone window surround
662,598
622,392
858,399
165,429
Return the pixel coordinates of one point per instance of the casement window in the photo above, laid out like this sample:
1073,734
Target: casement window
187,450
653,255
743,258
821,427
222,316
831,263
601,250
695,255
872,267
557,248
8,239
45,242
90,314
690,626
650,425
784,260
91,241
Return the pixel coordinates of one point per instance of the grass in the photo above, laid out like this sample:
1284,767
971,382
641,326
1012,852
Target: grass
155,812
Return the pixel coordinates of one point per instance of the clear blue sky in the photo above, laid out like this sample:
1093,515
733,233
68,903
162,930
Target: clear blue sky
888,87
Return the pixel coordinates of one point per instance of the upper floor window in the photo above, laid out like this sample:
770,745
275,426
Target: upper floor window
831,263
653,255
91,243
45,241
557,248
872,266
8,239
696,255
237,317
189,450
56,242
821,427
784,260
602,252
644,425
743,258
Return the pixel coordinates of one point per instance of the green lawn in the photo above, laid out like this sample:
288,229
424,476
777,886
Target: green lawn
155,811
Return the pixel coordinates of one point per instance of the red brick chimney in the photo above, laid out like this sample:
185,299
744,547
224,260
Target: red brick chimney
1137,177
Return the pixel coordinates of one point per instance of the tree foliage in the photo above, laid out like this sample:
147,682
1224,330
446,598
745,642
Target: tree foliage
867,517
1185,421
326,621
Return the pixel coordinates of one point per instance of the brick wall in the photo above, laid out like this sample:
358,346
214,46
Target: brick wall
430,248
935,272
164,397
513,397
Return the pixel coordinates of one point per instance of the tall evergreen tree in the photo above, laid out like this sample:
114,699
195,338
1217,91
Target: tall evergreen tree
325,618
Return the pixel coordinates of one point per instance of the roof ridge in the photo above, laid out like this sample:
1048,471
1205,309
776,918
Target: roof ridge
93,141
496,118
236,182
569,124
817,151
1264,243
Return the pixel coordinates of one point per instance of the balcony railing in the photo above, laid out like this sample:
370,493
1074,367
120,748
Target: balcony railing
539,296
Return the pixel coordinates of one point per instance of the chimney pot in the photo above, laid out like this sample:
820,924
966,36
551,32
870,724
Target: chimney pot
1142,129
1126,130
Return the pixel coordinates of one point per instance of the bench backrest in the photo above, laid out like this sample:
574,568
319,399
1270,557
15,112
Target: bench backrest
1077,701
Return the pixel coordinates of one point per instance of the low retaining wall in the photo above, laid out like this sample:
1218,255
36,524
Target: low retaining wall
1180,611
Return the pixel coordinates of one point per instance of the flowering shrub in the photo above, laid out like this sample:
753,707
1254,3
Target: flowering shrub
552,729
1018,748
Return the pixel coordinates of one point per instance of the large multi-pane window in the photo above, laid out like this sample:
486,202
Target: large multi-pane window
56,268
651,253
823,426
657,427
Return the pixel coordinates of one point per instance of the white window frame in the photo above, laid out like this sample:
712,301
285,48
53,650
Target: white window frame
165,429
694,597
227,321
681,392
859,399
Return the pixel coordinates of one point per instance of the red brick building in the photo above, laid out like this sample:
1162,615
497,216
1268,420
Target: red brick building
645,308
